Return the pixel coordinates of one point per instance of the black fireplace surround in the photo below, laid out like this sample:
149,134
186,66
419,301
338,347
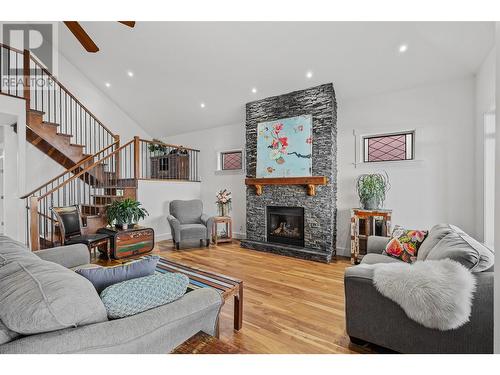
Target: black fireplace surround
285,225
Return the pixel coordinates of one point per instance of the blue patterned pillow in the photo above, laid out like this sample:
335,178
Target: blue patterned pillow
102,277
137,295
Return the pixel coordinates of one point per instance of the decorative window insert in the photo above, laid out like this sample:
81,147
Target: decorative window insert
389,147
231,160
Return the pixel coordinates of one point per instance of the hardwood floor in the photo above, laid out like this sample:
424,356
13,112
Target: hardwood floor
290,305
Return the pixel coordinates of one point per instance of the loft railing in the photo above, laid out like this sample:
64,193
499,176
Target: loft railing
60,106
94,177
11,65
161,161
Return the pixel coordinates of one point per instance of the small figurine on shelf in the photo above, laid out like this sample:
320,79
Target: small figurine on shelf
224,202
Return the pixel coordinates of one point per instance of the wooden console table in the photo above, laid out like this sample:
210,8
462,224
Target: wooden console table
368,220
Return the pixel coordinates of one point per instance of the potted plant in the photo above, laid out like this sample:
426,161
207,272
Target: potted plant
157,147
125,213
372,189
224,202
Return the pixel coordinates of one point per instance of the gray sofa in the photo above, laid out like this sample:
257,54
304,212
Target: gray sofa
188,222
158,330
371,317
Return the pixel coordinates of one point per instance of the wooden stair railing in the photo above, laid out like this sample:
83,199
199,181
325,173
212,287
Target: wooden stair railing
92,185
12,81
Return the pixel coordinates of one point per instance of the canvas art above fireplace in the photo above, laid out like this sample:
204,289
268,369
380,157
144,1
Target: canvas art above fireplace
284,147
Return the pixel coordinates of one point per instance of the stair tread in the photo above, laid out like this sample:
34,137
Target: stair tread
36,111
65,135
106,196
50,123
76,145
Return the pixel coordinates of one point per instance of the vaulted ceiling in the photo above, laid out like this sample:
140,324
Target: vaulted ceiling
177,66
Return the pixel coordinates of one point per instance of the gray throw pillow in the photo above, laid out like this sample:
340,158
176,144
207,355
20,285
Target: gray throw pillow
38,296
103,277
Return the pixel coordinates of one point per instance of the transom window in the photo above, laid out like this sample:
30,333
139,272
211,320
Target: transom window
388,147
231,160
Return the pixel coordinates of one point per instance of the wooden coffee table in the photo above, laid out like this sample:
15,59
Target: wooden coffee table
202,343
225,285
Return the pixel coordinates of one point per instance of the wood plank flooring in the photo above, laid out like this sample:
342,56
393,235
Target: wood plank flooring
290,306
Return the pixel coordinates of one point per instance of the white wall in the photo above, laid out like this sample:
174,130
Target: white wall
14,166
485,102
440,187
155,197
209,142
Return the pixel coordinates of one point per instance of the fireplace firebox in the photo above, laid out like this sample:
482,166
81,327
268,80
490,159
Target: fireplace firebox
285,225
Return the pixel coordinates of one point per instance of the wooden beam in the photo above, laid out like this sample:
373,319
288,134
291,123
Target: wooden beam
128,23
82,36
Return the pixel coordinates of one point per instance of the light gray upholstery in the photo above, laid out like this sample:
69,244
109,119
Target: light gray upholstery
378,258
376,244
67,256
38,296
158,330
371,317
188,222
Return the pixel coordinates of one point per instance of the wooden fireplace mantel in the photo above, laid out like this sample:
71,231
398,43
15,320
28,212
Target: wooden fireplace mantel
309,182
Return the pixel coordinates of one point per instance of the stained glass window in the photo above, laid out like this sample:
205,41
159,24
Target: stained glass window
388,147
232,160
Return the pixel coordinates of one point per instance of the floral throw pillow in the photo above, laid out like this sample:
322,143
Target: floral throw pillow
404,243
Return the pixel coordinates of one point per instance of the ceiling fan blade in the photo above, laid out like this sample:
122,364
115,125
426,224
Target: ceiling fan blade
128,23
82,36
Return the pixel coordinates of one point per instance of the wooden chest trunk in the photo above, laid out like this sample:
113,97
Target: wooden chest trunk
129,242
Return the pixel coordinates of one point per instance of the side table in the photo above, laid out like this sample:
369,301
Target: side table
366,223
227,233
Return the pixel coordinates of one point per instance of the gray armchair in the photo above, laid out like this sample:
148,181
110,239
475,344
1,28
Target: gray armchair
188,222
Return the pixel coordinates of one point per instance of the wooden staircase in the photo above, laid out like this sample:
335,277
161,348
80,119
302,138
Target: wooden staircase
46,137
99,170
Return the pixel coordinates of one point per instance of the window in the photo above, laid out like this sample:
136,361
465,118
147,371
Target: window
231,160
388,147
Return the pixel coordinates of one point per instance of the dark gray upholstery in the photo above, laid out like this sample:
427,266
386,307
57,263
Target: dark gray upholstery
188,222
158,330
371,317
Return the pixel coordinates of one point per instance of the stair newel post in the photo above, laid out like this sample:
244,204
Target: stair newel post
34,224
117,157
26,78
136,159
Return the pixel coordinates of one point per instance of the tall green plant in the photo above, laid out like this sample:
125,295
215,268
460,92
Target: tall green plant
372,189
127,211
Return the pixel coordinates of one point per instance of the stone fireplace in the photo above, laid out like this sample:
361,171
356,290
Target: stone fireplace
284,219
285,225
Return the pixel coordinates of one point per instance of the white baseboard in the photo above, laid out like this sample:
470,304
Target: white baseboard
342,251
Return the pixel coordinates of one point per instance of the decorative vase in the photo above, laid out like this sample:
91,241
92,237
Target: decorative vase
223,210
370,204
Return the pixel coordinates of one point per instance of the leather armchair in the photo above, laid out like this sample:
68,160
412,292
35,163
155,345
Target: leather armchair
188,222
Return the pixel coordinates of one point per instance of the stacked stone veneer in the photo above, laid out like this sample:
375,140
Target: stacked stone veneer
320,211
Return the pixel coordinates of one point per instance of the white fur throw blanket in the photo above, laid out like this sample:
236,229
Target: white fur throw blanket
435,293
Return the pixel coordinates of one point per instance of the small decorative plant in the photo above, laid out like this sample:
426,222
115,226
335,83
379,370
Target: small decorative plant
125,212
224,202
372,189
158,147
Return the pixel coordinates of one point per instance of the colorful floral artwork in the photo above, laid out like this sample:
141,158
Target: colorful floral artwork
284,147
405,243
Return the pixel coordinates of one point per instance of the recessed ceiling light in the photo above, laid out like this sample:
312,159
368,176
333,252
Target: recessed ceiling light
130,73
254,90
202,105
403,48
108,84
309,74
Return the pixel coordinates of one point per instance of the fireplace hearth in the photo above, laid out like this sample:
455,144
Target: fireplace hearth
285,225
